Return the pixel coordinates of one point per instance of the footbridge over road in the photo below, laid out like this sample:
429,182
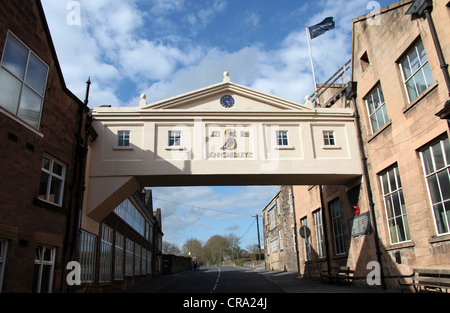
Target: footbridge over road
223,134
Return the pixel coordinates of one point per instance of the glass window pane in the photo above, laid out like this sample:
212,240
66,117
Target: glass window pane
30,107
46,163
384,181
438,157
401,230
428,163
427,72
414,60
43,186
376,99
10,88
380,117
434,189
370,104
55,191
444,183
389,210
392,181
440,218
15,56
36,74
374,122
420,82
396,202
411,88
406,69
422,53
447,150
57,169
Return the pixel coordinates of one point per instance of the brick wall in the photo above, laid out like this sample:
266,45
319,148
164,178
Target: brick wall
25,221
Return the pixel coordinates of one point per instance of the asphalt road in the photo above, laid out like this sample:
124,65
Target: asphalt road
221,280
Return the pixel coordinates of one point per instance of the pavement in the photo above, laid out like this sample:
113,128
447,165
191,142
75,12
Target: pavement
288,281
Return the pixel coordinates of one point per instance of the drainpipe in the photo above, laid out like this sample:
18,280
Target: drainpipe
421,7
73,215
350,93
325,232
295,232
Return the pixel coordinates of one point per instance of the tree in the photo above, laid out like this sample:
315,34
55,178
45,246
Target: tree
193,248
233,246
170,248
215,250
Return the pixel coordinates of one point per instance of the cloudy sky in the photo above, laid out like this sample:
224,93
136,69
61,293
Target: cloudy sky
167,47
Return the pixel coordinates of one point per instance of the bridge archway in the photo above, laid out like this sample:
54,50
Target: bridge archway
223,134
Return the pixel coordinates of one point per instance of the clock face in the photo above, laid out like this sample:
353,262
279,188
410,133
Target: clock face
227,101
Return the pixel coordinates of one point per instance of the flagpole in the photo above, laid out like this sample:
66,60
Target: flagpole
312,63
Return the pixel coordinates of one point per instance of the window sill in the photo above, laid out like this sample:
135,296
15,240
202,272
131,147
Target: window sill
18,120
401,245
48,205
284,147
331,147
389,123
440,238
122,148
176,148
420,97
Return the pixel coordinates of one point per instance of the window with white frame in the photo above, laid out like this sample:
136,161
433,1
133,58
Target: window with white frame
106,254
317,215
118,256
376,107
280,237
336,220
436,166
394,204
3,251
23,80
87,256
44,264
174,138
282,138
51,187
272,218
328,138
129,254
123,138
416,71
274,244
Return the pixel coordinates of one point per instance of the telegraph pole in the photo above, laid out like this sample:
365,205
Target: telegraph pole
259,242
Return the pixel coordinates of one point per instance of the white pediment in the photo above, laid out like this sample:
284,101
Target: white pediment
208,99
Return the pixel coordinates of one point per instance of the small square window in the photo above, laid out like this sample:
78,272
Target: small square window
282,138
328,138
364,60
123,139
174,138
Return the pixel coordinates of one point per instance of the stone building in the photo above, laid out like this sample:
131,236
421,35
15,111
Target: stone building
279,232
43,137
397,214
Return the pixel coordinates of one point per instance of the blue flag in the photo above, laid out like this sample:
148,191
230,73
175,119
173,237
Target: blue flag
321,28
